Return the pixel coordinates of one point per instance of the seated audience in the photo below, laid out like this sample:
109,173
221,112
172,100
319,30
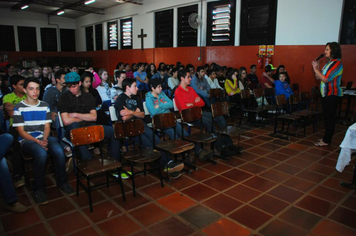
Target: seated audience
173,81
282,87
280,69
141,78
212,80
266,80
116,90
254,83
201,86
232,87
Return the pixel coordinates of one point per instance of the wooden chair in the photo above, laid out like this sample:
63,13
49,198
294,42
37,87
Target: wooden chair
249,107
195,114
139,154
95,166
282,105
222,109
173,147
305,110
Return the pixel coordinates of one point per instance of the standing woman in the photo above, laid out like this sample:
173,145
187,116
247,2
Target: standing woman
331,92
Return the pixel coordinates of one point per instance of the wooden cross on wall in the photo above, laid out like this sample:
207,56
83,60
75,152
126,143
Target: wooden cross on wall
142,35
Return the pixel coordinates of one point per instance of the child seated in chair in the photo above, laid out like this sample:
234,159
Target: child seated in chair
32,119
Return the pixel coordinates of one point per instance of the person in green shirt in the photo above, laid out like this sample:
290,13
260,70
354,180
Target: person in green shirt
9,101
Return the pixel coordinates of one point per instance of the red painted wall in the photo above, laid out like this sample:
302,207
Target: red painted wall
297,59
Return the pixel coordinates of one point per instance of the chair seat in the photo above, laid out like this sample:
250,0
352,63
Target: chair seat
256,110
306,113
290,117
201,138
97,165
175,146
142,155
231,130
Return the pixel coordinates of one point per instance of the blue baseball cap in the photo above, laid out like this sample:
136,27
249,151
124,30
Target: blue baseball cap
72,77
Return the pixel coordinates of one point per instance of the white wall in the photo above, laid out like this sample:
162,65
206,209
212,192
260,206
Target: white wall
308,22
25,18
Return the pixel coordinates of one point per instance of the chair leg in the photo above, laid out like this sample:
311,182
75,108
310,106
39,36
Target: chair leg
159,172
121,185
133,179
107,179
89,194
77,183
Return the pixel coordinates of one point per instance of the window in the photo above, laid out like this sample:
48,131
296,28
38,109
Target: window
221,23
348,28
67,40
7,38
258,22
89,38
187,35
112,35
49,39
126,33
164,28
99,37
27,38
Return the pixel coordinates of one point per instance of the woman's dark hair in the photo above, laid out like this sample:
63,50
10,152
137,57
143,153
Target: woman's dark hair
119,64
209,72
86,74
230,73
335,50
174,70
160,66
279,67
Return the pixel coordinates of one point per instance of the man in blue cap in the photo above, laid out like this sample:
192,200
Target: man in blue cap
78,109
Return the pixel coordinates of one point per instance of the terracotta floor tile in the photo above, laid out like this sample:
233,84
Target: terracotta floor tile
87,232
234,162
242,193
318,151
298,146
219,183
300,218
263,138
327,194
223,204
202,174
68,223
16,221
131,201
335,184
344,216
259,183
277,156
102,211
38,229
259,151
250,217
307,143
149,214
299,162
56,207
248,156
280,228
269,204
219,168
172,227
237,175
141,180
141,233
252,168
121,225
321,169
299,184
316,205
183,182
23,199
199,192
309,157
288,169
270,146
53,193
82,200
328,162
350,203
266,162
176,202
156,191
330,228
288,151
280,142
311,176
200,216
226,227
285,193
275,176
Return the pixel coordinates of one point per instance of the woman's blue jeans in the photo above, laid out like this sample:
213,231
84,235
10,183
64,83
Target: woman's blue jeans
7,189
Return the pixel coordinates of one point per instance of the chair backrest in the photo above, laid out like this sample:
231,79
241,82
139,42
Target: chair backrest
216,93
220,109
349,85
281,100
113,115
87,135
191,114
258,92
305,96
147,113
130,128
60,120
295,86
175,108
164,121
245,94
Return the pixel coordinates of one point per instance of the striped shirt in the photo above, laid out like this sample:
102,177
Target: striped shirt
333,73
32,118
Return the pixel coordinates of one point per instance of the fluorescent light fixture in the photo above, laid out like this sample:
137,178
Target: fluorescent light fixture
60,13
89,2
24,7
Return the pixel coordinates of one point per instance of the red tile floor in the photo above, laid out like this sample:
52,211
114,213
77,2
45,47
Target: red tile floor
276,187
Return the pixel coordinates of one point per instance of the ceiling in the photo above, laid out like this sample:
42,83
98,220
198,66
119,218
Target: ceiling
73,8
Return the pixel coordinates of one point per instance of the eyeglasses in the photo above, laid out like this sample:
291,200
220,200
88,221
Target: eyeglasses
71,85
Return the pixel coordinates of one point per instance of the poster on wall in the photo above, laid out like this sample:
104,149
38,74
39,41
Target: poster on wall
262,50
270,50
112,33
